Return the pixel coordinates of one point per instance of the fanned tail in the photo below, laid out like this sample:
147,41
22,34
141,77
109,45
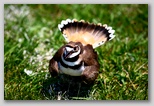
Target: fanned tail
86,33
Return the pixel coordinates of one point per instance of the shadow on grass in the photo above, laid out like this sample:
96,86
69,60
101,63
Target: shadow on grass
65,88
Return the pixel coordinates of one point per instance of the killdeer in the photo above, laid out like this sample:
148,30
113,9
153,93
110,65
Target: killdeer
78,57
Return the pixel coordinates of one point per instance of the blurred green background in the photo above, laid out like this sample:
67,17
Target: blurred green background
31,37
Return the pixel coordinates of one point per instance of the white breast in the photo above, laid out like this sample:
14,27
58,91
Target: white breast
70,71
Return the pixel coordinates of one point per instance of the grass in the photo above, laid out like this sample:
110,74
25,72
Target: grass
31,37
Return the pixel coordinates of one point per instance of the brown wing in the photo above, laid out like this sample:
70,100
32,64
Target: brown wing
86,33
91,65
90,56
53,64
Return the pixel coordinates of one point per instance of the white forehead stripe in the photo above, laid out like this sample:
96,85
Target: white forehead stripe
69,49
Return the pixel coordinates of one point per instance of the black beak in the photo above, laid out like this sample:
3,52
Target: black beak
68,54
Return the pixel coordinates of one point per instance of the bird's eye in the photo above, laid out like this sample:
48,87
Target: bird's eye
76,48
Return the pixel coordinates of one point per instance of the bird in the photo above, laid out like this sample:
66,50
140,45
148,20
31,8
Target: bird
78,58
